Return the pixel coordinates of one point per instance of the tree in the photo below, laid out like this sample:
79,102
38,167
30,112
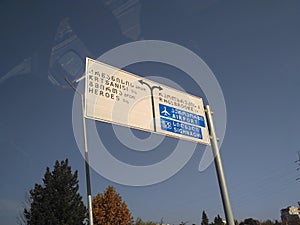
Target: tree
204,220
267,222
218,220
184,223
139,221
250,221
277,223
109,209
56,201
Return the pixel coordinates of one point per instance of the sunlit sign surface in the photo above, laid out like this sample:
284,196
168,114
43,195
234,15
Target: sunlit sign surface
119,97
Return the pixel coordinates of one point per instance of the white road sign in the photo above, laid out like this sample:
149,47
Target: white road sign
116,96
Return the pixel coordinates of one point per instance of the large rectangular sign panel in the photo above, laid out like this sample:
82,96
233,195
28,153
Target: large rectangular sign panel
116,96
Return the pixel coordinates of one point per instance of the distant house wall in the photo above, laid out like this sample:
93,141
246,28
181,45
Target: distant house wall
290,215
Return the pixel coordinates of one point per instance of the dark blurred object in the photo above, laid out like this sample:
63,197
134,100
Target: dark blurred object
67,56
127,13
50,40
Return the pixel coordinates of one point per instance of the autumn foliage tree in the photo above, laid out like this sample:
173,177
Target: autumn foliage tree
109,209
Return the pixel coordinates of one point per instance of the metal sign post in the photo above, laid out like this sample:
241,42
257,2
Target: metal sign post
219,168
87,167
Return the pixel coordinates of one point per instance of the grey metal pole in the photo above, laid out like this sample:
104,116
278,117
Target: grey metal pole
219,168
86,156
87,167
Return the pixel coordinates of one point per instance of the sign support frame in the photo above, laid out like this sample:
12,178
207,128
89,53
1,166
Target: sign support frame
210,134
219,168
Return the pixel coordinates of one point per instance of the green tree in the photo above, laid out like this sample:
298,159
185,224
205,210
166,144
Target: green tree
149,223
277,223
204,220
218,220
250,221
139,221
56,201
267,222
109,209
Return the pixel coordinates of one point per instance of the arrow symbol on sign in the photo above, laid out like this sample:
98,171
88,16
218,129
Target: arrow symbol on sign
150,87
152,99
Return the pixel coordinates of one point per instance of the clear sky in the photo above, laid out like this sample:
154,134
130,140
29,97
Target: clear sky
252,47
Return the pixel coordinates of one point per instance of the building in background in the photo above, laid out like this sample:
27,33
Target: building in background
290,215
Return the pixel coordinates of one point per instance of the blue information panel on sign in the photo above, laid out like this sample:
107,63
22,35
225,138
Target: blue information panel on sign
180,128
181,115
181,122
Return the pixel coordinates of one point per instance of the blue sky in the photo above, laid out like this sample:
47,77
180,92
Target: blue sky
253,49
